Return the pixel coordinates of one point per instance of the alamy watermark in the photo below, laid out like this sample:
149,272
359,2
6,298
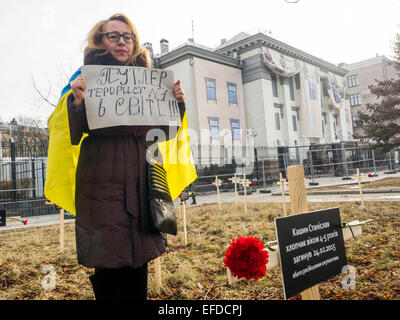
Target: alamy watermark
349,281
49,281
220,151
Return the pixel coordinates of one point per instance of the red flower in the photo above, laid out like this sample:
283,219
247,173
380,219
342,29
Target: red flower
369,175
252,183
25,222
246,258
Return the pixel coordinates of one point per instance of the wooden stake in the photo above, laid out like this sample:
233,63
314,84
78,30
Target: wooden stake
299,204
245,193
16,218
61,230
219,197
157,272
184,222
283,193
179,208
236,193
360,187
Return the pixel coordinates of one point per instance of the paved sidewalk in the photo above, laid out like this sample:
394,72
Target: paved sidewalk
254,197
37,221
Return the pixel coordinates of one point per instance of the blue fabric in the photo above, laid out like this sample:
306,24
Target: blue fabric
68,86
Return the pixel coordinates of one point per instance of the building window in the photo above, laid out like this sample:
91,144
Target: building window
211,89
325,88
297,80
291,89
277,121
280,107
296,109
324,122
274,85
355,120
214,128
235,127
232,93
294,120
313,90
334,129
353,81
355,99
347,116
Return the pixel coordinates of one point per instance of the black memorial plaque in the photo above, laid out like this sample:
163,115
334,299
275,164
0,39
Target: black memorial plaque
2,217
311,249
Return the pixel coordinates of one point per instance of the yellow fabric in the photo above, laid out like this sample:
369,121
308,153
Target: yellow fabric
63,157
178,160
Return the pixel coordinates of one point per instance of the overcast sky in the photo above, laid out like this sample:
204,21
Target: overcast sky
44,39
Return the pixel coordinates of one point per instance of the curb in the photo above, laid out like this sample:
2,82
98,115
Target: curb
333,192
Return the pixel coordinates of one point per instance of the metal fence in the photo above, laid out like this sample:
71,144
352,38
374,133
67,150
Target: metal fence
263,165
23,168
22,178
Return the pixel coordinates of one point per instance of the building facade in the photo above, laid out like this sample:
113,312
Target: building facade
360,76
256,88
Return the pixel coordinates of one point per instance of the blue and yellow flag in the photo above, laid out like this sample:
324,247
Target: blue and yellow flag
63,157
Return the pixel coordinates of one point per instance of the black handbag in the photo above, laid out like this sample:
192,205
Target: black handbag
162,213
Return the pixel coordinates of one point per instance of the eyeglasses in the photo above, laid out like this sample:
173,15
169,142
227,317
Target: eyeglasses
115,36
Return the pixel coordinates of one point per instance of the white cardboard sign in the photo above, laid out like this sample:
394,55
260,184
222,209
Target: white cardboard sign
129,96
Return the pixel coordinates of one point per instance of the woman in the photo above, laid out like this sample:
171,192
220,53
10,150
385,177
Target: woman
113,234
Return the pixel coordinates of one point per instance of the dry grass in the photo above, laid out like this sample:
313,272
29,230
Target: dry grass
197,271
386,183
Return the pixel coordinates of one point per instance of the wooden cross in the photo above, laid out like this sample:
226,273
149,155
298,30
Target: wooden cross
235,180
217,183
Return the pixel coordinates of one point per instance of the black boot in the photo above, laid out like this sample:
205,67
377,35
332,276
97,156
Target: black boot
103,284
99,287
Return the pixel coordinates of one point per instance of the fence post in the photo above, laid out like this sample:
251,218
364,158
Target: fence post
256,160
391,171
264,185
263,174
33,178
285,163
374,163
43,178
312,183
13,170
346,171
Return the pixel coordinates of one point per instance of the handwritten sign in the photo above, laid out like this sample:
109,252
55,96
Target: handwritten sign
129,96
311,248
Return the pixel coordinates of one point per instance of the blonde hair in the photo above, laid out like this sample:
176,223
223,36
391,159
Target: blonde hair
140,57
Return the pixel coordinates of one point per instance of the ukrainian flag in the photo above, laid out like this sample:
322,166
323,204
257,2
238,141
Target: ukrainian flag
63,157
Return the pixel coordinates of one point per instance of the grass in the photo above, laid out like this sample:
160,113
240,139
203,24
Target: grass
386,183
197,271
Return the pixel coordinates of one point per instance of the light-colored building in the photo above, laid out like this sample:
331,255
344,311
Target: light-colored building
360,76
256,86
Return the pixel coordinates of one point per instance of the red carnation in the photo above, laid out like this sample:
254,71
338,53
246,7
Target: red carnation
369,175
25,222
246,258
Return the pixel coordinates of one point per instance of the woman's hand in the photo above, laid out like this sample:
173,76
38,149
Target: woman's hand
178,92
78,86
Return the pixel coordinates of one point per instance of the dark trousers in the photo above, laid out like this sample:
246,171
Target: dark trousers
120,284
